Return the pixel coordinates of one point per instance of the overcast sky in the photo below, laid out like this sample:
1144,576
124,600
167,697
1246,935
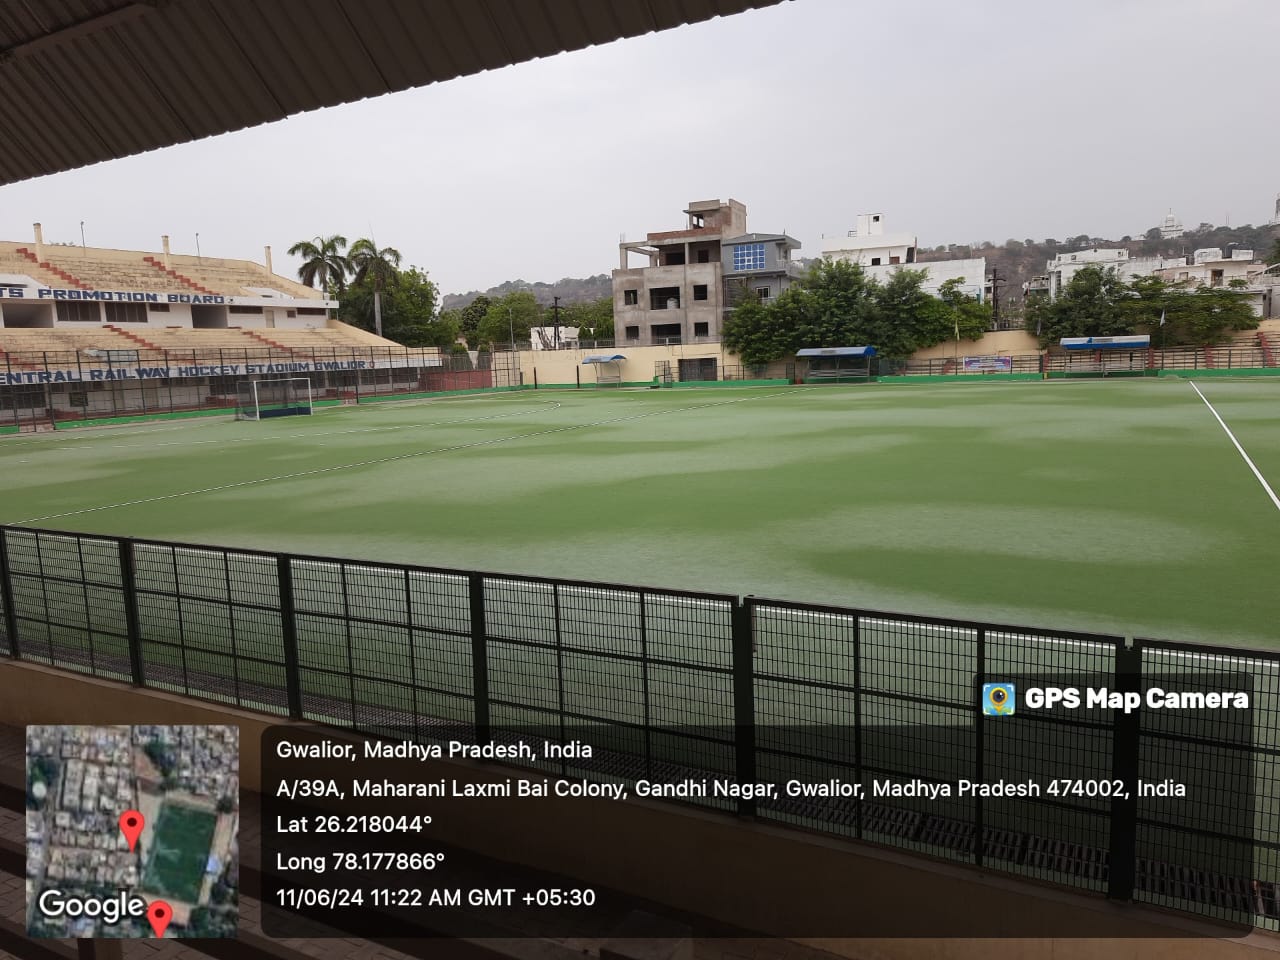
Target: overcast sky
957,121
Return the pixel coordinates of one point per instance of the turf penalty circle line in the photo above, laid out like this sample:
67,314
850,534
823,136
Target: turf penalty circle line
383,460
1236,443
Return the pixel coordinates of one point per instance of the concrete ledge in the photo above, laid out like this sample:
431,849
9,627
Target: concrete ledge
778,880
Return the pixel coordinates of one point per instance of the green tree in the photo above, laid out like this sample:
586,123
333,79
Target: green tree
451,317
1202,316
408,305
755,332
470,317
833,305
1092,304
838,304
1216,313
376,266
1274,255
1152,300
966,314
516,312
42,770
161,756
459,358
906,317
594,318
323,262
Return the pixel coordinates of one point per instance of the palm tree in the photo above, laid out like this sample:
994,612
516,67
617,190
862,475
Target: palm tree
377,266
323,261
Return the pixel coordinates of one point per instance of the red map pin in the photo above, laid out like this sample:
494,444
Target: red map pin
159,913
131,822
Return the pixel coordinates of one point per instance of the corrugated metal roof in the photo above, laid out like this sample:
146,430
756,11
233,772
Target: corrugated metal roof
90,80
837,352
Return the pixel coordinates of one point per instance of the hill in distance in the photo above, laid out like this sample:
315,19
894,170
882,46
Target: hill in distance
1016,261
568,289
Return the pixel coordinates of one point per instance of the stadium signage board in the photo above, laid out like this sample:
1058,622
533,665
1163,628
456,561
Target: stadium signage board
988,364
10,292
186,371
115,296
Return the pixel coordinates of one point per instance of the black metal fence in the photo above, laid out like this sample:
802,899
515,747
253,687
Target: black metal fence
47,389
748,688
959,364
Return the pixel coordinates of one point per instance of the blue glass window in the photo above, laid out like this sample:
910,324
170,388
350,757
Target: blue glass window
748,256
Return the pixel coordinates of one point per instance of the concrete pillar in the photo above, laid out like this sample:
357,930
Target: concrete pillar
266,251
39,242
164,245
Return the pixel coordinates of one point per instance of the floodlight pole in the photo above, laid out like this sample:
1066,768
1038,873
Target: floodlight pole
511,327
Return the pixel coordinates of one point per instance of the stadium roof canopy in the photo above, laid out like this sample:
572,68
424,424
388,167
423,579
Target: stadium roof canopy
837,352
1137,342
604,358
92,80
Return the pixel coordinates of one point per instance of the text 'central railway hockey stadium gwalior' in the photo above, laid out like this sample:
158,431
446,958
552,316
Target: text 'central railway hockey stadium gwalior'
97,334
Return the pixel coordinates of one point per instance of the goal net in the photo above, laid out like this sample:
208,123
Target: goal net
260,399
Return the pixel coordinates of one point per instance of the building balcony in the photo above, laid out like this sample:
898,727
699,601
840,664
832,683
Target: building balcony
665,341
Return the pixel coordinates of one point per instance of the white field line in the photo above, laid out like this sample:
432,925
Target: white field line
320,471
105,433
541,404
1239,449
90,434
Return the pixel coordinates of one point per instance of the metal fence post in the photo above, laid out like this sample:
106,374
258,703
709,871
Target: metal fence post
479,657
129,590
744,703
289,636
857,714
978,760
6,594
1126,730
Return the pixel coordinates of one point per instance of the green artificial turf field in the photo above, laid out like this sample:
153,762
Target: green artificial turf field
180,852
1114,506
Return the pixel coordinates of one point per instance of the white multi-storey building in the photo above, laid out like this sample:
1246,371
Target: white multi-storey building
880,254
1066,265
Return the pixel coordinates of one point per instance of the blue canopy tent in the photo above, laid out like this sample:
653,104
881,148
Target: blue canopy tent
1106,343
1125,355
606,376
837,364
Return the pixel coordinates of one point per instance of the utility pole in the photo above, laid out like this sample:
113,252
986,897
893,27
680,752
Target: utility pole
996,280
555,312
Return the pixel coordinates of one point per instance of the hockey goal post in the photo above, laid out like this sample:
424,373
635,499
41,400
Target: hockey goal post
262,399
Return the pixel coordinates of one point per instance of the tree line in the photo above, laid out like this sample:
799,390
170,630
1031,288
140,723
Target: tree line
839,304
1099,303
402,304
488,320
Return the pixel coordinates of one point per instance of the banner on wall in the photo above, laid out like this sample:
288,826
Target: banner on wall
185,371
988,364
